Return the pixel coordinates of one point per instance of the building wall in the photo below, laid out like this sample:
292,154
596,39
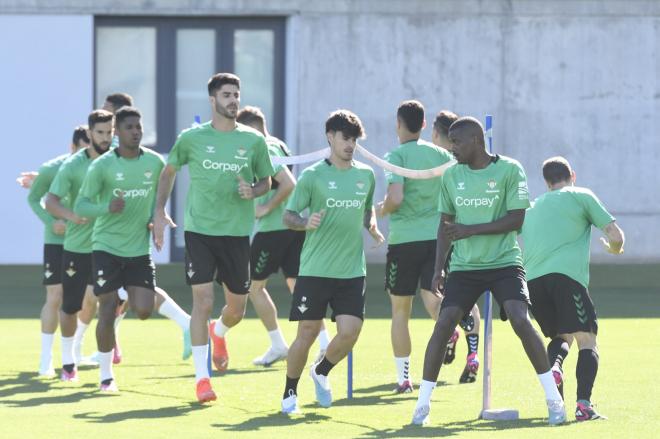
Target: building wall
572,78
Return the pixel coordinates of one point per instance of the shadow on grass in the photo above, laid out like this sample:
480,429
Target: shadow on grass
58,398
274,419
454,428
156,413
388,388
24,382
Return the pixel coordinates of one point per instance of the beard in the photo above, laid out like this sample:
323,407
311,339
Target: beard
225,112
97,147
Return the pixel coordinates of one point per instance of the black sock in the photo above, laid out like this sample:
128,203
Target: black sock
69,367
557,351
106,382
585,372
472,342
291,387
324,367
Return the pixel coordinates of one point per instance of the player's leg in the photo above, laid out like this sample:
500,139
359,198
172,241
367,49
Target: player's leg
471,325
400,338
167,307
296,360
49,316
585,372
85,316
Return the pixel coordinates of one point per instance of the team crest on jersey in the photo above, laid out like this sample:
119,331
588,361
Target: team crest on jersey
492,183
360,185
332,185
460,186
119,176
148,174
242,151
210,149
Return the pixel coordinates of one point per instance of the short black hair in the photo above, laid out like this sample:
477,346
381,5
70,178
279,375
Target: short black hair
411,113
250,115
347,122
80,133
470,125
219,79
443,121
99,116
556,170
119,100
124,113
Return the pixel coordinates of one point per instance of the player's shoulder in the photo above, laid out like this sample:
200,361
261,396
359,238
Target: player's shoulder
362,167
509,162
54,163
150,154
76,159
277,146
195,130
249,133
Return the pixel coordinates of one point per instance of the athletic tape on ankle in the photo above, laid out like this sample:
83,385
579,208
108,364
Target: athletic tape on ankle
416,174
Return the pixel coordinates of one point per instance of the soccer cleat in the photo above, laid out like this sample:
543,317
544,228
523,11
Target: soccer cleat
109,386
450,354
585,411
47,372
69,376
469,374
290,404
187,345
270,357
405,387
116,354
322,387
558,375
556,412
204,391
220,354
319,356
421,415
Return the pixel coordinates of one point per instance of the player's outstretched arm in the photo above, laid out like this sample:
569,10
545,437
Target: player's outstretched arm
161,217
392,201
285,184
615,238
371,225
55,207
443,244
510,222
295,221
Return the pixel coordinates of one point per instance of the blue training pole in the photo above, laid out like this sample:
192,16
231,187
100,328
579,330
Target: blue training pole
488,305
209,363
349,374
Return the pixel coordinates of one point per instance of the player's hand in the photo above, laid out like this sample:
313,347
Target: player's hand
438,284
59,227
455,231
260,211
314,220
245,190
158,228
609,248
78,219
26,179
379,209
117,204
376,235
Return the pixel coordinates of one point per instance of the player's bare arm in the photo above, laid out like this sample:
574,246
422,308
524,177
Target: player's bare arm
441,251
372,226
392,201
161,217
286,182
513,220
295,221
615,238
54,207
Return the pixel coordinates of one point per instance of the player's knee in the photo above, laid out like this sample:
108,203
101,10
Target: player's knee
142,313
203,304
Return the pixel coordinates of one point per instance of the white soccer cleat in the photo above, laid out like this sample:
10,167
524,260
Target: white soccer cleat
290,405
421,415
321,387
270,357
47,372
556,412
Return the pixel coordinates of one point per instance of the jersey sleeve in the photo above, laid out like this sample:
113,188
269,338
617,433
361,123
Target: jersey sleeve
87,203
275,151
517,194
394,158
179,154
302,194
61,185
262,165
445,204
39,188
369,201
595,211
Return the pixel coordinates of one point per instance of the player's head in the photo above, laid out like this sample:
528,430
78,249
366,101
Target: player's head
252,117
466,137
441,124
115,101
558,172
128,127
410,119
342,129
225,94
100,130
80,138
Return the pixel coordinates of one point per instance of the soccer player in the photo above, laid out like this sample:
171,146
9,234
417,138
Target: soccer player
77,255
224,159
471,323
483,201
119,190
274,245
114,102
338,192
413,210
53,239
557,235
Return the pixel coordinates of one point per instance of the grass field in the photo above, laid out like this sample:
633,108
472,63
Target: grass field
157,388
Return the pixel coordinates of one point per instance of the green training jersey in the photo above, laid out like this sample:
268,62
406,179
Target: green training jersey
39,189
215,159
335,249
483,196
67,183
273,221
417,217
126,233
557,233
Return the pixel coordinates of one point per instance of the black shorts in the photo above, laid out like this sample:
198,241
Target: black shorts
312,295
112,272
227,258
76,275
52,264
271,251
463,288
408,265
561,305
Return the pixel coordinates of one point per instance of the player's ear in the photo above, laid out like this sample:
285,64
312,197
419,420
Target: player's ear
573,176
423,123
328,136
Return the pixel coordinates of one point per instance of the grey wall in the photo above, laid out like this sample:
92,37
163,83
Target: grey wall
577,78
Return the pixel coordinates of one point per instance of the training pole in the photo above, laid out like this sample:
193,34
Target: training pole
209,363
349,376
